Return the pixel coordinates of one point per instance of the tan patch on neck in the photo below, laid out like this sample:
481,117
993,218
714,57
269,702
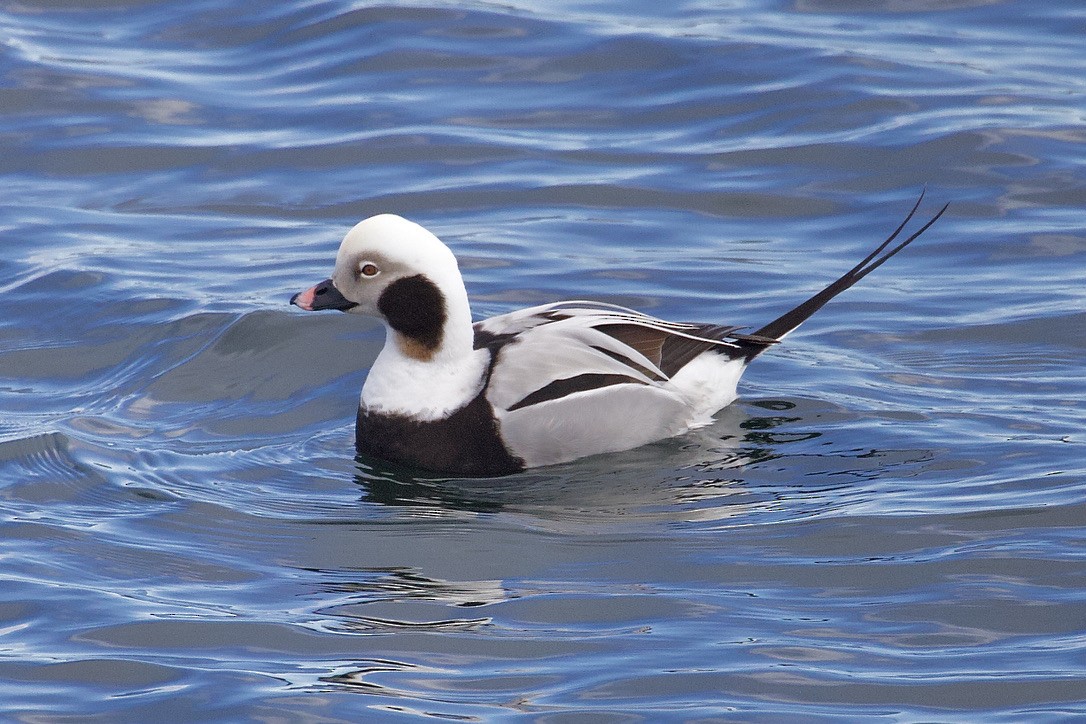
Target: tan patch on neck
415,349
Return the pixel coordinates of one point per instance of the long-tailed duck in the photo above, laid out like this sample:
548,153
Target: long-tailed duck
537,386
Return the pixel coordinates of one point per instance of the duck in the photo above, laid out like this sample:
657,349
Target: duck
538,386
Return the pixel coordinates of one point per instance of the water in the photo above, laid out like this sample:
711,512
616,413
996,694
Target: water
888,525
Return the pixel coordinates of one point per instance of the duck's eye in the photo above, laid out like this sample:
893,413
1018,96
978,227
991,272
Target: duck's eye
368,269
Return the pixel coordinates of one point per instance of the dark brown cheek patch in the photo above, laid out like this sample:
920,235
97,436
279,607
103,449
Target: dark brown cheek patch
415,308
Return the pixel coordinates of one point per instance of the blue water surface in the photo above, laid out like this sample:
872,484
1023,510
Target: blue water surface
889,524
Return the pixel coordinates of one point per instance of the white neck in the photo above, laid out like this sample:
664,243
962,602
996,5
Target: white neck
429,387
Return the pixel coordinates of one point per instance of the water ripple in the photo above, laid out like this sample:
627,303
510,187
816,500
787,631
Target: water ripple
888,524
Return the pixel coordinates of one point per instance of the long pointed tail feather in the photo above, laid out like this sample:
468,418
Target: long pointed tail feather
782,325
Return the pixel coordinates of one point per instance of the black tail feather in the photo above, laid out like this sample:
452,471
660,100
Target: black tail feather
782,325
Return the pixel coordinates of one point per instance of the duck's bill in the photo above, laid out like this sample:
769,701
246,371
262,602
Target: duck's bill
322,296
